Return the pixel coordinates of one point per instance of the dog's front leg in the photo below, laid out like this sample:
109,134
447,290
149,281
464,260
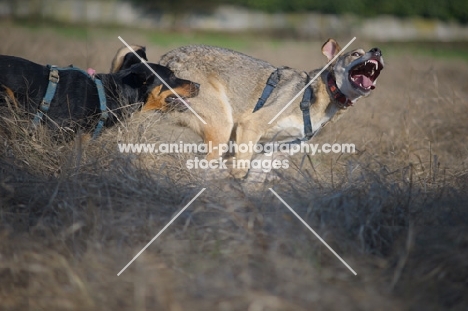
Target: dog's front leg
248,134
217,136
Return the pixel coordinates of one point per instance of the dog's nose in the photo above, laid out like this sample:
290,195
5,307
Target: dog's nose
376,51
194,88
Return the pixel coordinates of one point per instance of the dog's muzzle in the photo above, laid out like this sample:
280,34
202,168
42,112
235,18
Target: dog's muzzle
364,74
180,102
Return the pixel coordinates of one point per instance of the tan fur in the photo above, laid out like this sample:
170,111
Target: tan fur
154,101
231,83
11,96
157,98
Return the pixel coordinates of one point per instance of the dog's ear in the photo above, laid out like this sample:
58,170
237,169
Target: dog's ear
330,49
142,52
124,58
138,76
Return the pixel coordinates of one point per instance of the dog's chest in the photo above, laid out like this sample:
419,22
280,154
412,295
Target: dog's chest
292,127
287,128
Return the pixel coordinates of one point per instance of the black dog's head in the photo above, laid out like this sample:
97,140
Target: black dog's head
125,58
163,90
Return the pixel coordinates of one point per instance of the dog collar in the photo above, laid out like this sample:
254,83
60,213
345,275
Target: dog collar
336,93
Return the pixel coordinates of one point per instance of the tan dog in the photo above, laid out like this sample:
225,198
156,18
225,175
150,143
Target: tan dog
231,83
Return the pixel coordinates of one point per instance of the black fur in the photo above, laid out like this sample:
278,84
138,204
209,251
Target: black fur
131,59
76,102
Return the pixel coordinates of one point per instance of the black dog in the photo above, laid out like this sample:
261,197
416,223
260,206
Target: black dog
77,104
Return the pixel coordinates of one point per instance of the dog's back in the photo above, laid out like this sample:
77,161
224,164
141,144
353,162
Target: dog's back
211,60
225,75
15,71
26,82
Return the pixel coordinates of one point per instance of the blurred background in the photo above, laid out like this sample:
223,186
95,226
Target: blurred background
380,20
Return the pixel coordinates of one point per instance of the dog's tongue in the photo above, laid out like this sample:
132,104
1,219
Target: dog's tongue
364,81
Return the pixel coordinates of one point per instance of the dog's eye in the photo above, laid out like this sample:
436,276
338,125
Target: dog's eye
357,54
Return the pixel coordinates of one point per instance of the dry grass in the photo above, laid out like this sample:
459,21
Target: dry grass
72,216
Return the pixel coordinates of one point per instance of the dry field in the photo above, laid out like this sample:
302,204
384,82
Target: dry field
72,216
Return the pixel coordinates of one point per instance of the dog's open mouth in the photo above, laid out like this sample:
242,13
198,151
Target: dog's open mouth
177,103
364,75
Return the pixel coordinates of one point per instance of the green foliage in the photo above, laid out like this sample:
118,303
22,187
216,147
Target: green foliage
445,10
178,6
